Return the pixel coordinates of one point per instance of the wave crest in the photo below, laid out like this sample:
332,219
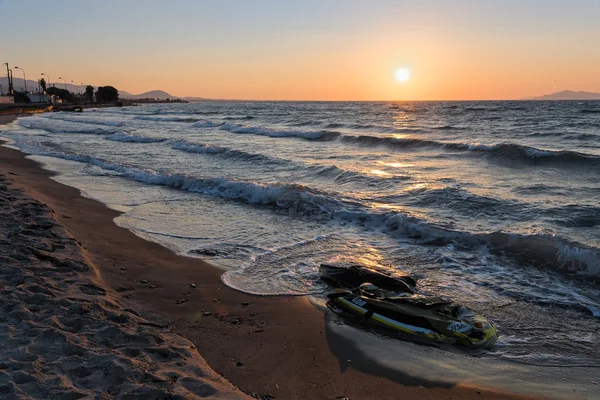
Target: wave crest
164,119
128,137
538,250
206,124
508,150
308,135
200,148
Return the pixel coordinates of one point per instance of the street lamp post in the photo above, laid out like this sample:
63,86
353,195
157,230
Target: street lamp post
9,76
24,78
47,83
65,82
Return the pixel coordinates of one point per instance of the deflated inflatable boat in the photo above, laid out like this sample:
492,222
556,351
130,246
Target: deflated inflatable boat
389,303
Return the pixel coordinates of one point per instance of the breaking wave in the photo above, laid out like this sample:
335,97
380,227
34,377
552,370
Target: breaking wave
128,137
543,251
48,125
201,148
521,151
332,172
165,119
308,135
239,118
83,120
509,150
206,124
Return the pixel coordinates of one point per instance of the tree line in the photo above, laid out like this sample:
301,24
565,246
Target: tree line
104,94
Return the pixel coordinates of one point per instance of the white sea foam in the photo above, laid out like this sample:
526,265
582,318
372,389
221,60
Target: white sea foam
201,148
82,120
128,137
207,124
306,200
164,119
309,135
64,127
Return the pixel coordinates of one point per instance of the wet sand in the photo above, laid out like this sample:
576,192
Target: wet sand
274,346
5,119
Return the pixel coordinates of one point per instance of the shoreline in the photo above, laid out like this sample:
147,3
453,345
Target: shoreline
64,336
282,343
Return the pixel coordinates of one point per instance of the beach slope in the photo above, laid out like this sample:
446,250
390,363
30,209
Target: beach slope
268,347
64,335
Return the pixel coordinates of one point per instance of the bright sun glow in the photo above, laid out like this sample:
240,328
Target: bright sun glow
402,75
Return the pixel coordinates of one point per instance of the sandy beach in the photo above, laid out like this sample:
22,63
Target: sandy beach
91,309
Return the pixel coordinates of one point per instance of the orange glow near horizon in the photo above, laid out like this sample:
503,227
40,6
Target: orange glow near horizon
333,51
357,74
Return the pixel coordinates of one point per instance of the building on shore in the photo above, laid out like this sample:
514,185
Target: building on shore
7,100
39,97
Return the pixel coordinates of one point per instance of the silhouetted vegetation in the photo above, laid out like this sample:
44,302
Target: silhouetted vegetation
42,83
63,94
106,94
89,93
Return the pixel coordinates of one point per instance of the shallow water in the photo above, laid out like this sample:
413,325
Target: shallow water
495,205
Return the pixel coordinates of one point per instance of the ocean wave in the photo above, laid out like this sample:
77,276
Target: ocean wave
538,250
476,108
338,175
206,124
393,142
467,203
82,120
516,108
165,119
521,151
128,137
341,176
300,123
590,110
201,148
447,127
583,136
308,135
575,215
209,112
48,125
510,150
363,127
290,196
239,118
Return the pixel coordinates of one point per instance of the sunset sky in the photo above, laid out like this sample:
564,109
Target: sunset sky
310,50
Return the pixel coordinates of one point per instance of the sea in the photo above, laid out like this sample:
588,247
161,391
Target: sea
495,205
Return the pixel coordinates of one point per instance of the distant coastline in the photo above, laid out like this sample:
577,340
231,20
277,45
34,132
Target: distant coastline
567,95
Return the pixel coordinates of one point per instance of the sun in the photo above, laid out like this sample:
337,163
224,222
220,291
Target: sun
402,74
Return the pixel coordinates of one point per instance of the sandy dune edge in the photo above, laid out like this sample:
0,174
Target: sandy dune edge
64,336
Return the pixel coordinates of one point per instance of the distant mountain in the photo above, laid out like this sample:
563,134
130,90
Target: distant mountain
125,95
32,86
152,94
568,95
